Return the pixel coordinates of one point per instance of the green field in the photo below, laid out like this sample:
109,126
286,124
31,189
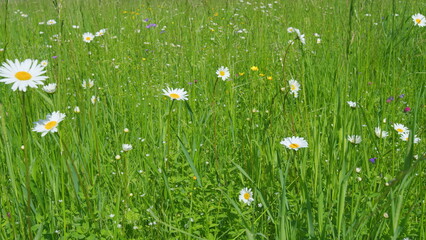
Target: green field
213,166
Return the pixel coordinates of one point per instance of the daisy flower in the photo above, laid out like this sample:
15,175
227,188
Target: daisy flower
246,196
352,104
400,128
88,37
44,63
50,88
22,74
379,133
419,20
290,30
49,124
223,72
88,84
100,33
127,147
176,94
355,139
294,143
405,137
294,87
51,22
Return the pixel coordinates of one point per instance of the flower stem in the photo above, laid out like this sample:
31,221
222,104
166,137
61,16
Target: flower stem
26,162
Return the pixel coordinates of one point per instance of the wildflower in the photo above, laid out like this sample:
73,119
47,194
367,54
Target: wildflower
372,160
300,36
355,139
75,26
358,169
241,73
89,84
151,25
77,109
223,72
111,215
400,128
94,99
352,104
126,130
318,40
22,74
246,196
379,133
269,77
100,33
407,109
176,94
117,157
294,143
294,87
88,37
51,22
49,124
290,30
50,88
44,63
405,137
254,68
127,147
390,99
316,35
419,20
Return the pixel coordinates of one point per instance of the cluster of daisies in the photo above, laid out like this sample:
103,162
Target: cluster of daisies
29,73
88,36
403,132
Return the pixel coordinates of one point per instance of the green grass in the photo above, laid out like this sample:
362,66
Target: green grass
190,159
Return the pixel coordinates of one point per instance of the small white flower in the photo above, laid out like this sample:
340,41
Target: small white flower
117,157
51,22
100,33
176,94
75,26
294,87
88,84
126,130
44,63
290,30
318,40
358,170
246,196
294,143
400,128
379,133
223,72
405,137
111,215
419,20
352,104
49,124
94,99
355,139
88,37
50,88
127,147
77,109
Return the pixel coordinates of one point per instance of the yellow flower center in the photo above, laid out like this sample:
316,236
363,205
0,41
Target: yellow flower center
294,145
293,87
23,76
88,38
418,20
50,125
400,130
174,96
222,73
246,196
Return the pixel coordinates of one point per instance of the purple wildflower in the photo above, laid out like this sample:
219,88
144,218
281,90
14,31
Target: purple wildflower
151,25
390,99
146,20
407,109
402,95
372,160
55,57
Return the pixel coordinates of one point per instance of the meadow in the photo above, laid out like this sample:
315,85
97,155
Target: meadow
212,119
